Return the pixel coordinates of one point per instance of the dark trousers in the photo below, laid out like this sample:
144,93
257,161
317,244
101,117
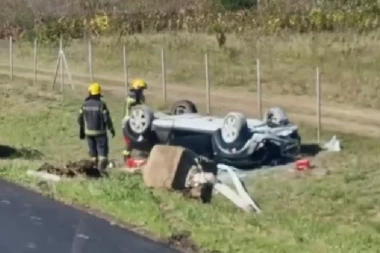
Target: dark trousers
98,147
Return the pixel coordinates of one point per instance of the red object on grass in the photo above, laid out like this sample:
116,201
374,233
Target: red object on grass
134,163
127,140
303,164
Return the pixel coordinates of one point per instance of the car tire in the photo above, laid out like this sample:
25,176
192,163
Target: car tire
229,143
183,107
233,125
140,119
140,142
145,138
275,117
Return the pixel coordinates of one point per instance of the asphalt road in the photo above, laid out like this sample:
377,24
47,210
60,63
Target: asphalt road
31,223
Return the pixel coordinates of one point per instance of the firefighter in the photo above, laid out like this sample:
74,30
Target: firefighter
94,119
135,97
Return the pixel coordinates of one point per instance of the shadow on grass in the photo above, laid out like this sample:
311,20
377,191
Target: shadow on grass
310,149
8,152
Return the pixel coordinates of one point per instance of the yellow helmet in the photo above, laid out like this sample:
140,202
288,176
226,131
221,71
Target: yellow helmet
94,89
139,84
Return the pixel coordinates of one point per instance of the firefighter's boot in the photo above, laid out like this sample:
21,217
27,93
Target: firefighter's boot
102,166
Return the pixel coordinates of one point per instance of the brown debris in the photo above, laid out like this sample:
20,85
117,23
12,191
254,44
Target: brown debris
167,167
183,240
72,169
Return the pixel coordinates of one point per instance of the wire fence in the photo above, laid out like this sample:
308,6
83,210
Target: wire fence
169,78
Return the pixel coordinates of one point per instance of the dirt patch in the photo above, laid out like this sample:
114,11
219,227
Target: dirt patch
183,240
72,169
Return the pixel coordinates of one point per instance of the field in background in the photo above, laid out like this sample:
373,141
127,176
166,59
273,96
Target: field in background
348,62
336,212
348,66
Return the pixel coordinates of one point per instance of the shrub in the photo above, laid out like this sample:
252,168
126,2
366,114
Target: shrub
270,19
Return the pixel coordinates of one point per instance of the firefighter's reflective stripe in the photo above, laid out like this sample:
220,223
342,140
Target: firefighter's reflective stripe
94,132
91,108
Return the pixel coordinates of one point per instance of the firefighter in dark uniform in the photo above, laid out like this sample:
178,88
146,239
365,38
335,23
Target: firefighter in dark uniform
134,97
94,119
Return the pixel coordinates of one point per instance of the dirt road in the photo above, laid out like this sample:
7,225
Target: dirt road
342,118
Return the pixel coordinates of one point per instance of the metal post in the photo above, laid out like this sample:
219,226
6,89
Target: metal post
125,62
125,77
208,106
35,60
66,65
318,90
163,75
259,100
60,61
11,57
90,68
56,70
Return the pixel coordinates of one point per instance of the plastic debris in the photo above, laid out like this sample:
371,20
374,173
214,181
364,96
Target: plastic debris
224,176
333,145
303,164
241,197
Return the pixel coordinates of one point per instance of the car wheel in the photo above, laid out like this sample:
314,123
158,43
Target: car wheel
276,116
140,119
182,107
233,125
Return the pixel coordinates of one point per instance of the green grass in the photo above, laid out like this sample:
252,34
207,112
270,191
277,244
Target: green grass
348,61
335,213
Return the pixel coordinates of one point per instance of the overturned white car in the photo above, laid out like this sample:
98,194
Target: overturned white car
233,140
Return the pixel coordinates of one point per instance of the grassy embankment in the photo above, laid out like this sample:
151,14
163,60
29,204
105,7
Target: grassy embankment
334,213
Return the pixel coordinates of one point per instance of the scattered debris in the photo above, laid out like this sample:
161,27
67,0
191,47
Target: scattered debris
71,169
241,197
303,165
183,240
170,167
132,164
177,168
224,176
333,145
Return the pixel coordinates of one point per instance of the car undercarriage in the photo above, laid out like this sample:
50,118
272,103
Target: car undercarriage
233,140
